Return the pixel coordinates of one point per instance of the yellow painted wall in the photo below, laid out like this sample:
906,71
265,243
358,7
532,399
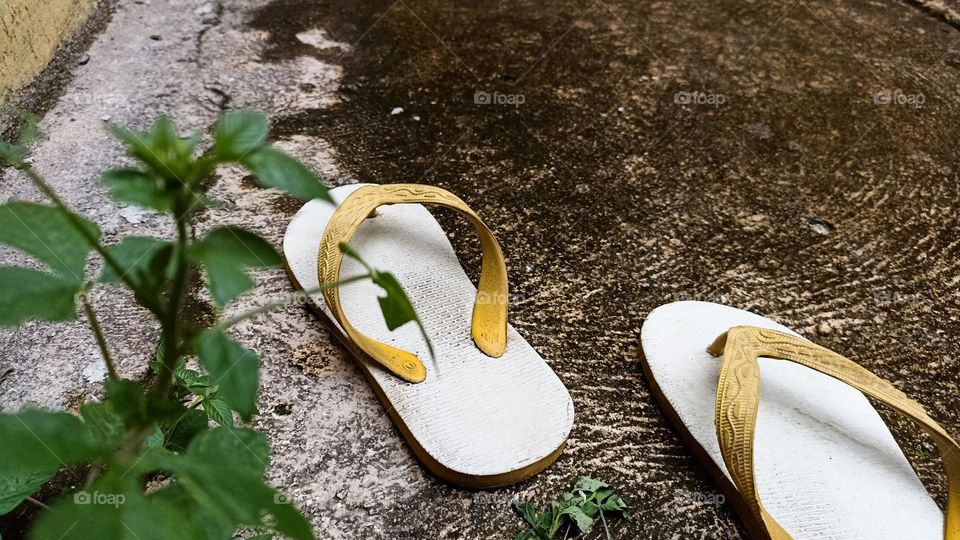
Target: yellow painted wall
30,31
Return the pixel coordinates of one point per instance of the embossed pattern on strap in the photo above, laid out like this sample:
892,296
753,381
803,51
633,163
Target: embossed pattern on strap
738,396
489,325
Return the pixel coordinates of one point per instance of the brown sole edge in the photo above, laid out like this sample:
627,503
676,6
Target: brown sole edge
755,529
444,473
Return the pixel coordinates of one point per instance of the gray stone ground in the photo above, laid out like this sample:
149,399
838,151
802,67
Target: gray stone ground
794,158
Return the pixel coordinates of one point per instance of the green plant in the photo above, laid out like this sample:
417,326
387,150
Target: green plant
158,469
576,509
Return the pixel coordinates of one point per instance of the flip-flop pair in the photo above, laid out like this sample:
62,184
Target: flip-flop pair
489,411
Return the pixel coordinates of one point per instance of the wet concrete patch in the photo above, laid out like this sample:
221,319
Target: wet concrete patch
663,152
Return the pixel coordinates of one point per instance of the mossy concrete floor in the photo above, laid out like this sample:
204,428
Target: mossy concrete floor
799,159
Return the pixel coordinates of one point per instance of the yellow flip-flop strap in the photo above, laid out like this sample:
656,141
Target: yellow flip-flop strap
489,327
738,396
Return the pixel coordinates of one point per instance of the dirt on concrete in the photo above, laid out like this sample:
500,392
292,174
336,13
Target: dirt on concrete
791,158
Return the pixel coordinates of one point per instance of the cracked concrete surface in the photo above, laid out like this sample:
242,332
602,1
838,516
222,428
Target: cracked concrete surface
773,157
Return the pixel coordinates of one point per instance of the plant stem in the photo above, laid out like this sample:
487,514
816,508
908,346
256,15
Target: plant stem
171,318
38,503
135,436
604,521
132,443
257,311
98,334
94,242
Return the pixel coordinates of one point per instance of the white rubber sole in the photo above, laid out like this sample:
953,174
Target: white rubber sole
826,464
475,421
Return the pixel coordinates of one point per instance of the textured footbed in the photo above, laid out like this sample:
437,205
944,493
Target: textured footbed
826,464
477,416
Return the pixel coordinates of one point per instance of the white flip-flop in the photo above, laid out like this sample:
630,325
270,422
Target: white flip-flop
477,419
823,463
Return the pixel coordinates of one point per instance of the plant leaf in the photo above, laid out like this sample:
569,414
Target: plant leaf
615,504
551,519
156,439
127,399
136,187
580,519
527,511
238,133
104,422
274,168
589,508
213,526
141,146
30,294
135,255
233,368
36,444
115,508
16,486
347,250
225,253
188,426
164,153
229,493
218,410
44,437
247,449
46,233
15,153
396,306
587,484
